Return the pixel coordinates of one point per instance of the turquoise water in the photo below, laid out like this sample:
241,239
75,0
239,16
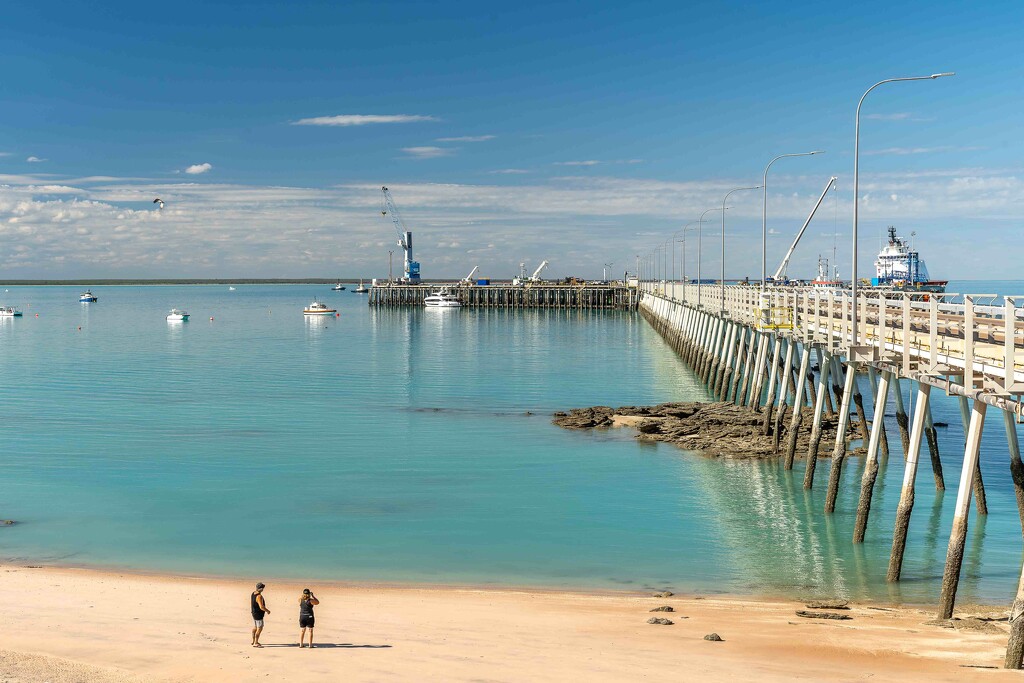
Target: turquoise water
415,445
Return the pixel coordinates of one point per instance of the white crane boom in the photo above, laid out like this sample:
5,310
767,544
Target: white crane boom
469,278
789,254
536,273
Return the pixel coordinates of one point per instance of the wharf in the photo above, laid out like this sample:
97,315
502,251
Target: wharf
533,295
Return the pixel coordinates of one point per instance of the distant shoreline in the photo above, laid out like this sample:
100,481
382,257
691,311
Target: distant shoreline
193,281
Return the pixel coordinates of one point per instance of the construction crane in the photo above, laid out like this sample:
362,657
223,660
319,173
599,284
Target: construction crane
522,279
468,280
412,268
781,271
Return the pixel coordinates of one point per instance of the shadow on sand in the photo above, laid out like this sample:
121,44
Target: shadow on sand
325,646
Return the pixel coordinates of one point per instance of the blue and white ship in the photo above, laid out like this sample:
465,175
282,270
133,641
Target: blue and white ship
900,267
87,297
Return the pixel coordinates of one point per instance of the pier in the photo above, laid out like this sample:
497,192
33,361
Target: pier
760,349
530,295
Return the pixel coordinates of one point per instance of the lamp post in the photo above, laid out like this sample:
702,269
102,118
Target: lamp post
700,225
764,212
681,231
856,186
738,189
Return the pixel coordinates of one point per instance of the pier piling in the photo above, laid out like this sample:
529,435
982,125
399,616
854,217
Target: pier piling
980,499
839,451
933,450
879,415
906,504
815,443
769,401
798,408
867,484
902,423
958,534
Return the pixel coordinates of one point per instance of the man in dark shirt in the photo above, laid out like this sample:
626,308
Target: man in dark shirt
259,608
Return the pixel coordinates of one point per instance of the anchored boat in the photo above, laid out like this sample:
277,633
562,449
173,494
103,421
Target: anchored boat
87,297
177,316
318,308
9,312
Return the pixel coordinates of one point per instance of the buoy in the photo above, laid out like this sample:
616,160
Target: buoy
337,315
37,315
211,318
79,328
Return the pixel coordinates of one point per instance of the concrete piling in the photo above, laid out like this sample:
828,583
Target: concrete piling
1015,645
879,416
933,450
839,451
958,534
798,409
812,447
867,483
902,423
980,500
769,401
906,505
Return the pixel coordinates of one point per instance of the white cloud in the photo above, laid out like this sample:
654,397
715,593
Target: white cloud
589,162
509,171
897,116
919,150
427,152
35,160
196,169
467,138
361,119
6,154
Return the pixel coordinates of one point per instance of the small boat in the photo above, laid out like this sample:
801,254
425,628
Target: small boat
442,299
87,297
177,315
231,289
361,289
318,308
9,312
338,288
826,280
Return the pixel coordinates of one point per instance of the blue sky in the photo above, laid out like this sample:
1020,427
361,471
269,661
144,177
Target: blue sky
581,133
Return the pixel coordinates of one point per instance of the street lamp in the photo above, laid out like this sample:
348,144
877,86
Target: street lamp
738,189
764,212
700,225
674,235
856,184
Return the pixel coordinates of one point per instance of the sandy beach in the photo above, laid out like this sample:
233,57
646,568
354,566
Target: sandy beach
62,624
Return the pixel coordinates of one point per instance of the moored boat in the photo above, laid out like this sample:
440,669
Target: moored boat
177,315
900,267
442,299
9,312
338,288
361,289
87,297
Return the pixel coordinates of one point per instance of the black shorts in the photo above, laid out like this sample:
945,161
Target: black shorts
306,622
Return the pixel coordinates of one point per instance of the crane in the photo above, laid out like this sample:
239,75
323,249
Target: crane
606,267
789,254
412,268
522,279
536,274
468,280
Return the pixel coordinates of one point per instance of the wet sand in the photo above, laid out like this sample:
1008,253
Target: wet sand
59,624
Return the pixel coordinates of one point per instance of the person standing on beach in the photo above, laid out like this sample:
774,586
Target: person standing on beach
306,619
259,608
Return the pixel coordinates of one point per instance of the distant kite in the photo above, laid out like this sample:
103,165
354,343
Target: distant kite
160,202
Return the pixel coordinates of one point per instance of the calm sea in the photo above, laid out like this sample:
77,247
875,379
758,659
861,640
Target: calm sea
416,445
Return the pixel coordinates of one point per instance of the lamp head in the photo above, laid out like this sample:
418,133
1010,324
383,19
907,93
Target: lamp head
947,73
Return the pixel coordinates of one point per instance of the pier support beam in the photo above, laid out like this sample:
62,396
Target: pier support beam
958,535
933,450
769,401
879,415
867,483
862,417
980,500
906,505
787,387
798,408
902,423
819,404
1015,645
753,353
754,399
839,452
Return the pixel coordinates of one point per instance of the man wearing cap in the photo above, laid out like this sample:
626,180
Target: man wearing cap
259,608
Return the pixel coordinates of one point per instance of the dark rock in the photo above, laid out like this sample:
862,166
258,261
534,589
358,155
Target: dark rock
664,594
7,522
940,424
665,608
822,615
660,621
713,637
829,604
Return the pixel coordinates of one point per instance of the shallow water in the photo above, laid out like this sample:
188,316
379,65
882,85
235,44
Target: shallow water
416,445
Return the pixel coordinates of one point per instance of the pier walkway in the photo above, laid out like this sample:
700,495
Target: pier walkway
762,349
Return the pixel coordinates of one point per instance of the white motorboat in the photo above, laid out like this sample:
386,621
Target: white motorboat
87,297
361,289
230,288
9,312
319,308
338,288
442,299
177,315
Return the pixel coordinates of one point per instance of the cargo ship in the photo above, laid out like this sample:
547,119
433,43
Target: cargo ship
899,267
